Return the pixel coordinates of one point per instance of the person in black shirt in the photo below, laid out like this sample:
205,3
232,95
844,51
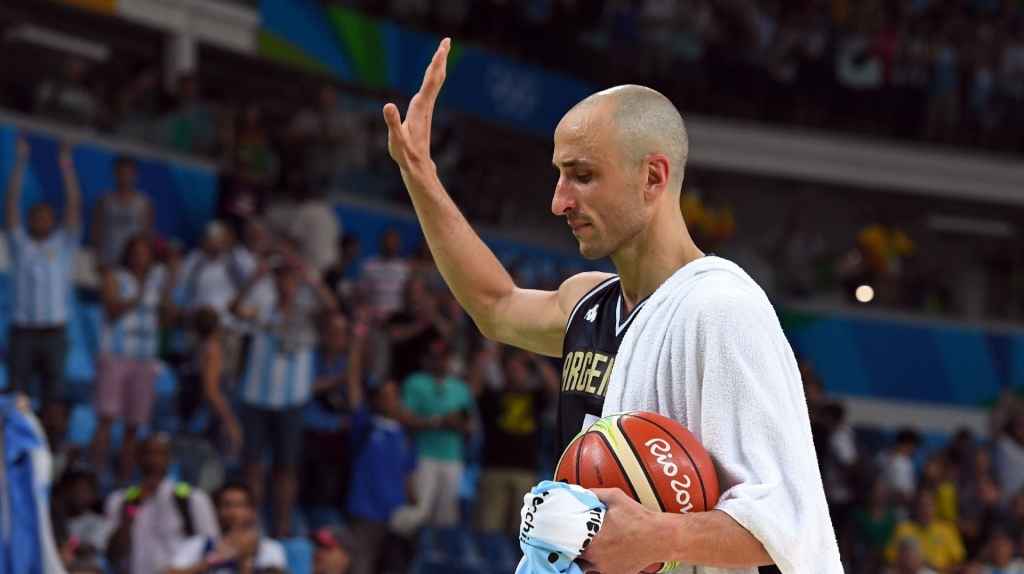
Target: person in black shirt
510,411
413,329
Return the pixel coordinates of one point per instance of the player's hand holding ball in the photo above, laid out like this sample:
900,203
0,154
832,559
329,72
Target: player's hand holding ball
643,467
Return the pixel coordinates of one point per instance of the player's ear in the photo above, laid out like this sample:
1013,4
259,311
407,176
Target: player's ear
658,172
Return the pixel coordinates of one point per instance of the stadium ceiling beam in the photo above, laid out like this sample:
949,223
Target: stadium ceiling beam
853,161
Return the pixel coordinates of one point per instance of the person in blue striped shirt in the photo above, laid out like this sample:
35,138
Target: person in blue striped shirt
42,260
278,378
134,297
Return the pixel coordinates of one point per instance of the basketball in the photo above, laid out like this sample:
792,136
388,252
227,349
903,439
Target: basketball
652,458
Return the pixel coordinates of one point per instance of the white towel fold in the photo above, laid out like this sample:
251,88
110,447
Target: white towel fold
707,350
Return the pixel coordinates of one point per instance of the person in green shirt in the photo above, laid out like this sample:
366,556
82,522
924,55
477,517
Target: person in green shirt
873,524
447,406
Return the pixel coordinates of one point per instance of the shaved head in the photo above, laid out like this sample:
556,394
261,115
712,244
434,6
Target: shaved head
647,123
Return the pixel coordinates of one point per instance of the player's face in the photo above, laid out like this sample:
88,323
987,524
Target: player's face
600,197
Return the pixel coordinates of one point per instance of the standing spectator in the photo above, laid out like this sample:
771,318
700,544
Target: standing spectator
1001,559
139,101
436,395
326,422
897,467
1008,432
126,368
333,548
192,123
415,328
511,420
885,247
120,214
979,509
278,378
334,140
939,541
42,260
383,462
69,99
152,518
383,277
314,227
239,548
341,276
873,525
943,106
211,277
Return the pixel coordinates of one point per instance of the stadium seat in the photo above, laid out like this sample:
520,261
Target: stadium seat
299,553
497,551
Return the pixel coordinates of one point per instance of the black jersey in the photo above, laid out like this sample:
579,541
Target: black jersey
592,338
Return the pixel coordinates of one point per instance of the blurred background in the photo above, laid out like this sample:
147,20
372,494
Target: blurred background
212,166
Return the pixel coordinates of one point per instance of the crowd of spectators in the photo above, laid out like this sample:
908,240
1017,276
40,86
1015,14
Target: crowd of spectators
958,508
949,71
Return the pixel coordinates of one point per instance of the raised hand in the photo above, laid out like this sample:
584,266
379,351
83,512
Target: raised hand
409,141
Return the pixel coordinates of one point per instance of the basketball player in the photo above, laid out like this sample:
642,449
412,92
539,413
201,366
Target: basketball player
620,154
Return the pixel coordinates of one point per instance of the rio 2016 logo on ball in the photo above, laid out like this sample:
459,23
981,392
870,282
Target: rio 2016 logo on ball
650,457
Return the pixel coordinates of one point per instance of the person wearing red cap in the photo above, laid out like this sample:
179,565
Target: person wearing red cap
332,554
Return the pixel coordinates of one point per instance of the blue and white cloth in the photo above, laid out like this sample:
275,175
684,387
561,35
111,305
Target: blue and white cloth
280,366
558,522
42,277
136,333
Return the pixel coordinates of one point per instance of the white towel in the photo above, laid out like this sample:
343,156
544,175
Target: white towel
707,350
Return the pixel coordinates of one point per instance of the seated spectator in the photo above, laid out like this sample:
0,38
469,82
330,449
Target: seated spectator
415,328
126,368
511,416
333,548
81,530
42,254
897,467
383,277
383,463
1008,432
333,140
910,560
1001,556
120,214
325,461
436,395
941,546
69,99
873,524
152,518
239,548
278,379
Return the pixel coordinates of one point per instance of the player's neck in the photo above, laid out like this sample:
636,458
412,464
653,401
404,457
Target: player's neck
661,249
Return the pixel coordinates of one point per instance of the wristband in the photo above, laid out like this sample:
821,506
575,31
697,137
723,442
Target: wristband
131,510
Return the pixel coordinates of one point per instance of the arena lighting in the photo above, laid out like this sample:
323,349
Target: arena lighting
864,293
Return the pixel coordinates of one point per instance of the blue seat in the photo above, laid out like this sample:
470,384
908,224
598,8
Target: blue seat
497,551
299,553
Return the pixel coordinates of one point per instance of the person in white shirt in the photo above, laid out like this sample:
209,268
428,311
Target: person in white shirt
1008,433
152,518
897,467
239,548
1001,559
383,277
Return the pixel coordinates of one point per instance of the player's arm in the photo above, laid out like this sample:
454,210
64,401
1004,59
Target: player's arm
525,318
632,537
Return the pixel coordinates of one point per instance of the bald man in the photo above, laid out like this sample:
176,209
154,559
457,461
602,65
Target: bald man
620,154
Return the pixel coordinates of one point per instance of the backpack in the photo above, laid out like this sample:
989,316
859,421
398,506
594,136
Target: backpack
182,495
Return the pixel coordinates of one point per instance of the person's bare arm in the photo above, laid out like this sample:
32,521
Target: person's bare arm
72,191
533,320
113,305
633,537
12,217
